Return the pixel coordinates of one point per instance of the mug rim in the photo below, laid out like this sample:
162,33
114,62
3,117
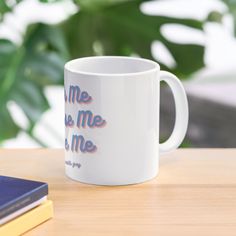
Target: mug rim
155,66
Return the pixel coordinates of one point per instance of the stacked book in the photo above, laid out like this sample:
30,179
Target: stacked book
23,205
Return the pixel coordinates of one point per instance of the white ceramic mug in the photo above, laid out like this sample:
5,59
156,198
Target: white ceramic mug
112,119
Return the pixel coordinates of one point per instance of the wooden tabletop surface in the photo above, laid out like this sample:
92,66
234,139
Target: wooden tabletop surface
194,194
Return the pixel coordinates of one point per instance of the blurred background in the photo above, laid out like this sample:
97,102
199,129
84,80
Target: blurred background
195,39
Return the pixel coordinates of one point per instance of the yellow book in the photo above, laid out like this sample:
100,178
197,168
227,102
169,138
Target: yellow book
28,220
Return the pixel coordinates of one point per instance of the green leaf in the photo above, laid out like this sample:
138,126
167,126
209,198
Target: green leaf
91,5
47,55
49,1
7,6
31,100
232,10
189,58
101,27
7,53
26,70
215,16
8,128
79,34
4,7
122,29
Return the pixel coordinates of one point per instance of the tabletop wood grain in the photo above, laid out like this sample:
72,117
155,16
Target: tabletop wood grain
194,194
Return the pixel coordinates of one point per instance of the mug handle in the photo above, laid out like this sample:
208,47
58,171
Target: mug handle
181,111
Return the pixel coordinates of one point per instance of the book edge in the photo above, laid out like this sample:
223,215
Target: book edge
34,195
29,220
21,211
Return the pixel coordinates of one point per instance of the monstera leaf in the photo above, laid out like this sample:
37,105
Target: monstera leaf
101,27
232,10
120,28
7,6
24,72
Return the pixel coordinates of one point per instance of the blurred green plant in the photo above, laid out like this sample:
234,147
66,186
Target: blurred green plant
216,16
232,11
102,27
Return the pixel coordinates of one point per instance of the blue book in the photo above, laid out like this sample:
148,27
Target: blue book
16,194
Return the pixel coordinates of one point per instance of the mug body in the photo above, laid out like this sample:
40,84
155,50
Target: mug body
111,120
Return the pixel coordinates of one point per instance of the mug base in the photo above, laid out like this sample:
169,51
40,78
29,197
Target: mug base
112,183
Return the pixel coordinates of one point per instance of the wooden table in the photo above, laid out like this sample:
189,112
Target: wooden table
194,194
